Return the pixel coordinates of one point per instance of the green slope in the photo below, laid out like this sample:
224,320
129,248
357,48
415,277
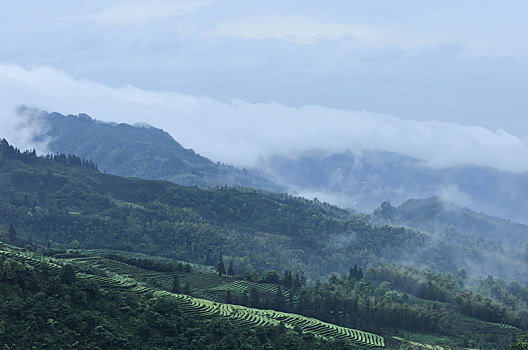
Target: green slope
46,304
129,281
58,201
437,216
141,151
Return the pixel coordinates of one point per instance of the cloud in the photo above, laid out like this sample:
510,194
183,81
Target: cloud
305,30
140,12
241,133
26,130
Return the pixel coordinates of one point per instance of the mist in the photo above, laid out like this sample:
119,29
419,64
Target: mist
243,133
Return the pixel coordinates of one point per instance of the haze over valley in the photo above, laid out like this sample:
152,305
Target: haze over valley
241,175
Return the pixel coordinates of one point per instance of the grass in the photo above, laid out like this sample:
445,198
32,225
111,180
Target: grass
123,276
209,291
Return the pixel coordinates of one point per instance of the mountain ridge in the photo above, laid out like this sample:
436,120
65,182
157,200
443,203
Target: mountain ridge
143,152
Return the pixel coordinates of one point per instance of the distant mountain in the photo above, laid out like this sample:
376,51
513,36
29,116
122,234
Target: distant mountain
142,151
360,181
434,215
363,181
64,201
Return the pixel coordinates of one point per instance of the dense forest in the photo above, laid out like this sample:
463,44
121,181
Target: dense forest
405,306
150,153
43,309
309,250
66,202
362,180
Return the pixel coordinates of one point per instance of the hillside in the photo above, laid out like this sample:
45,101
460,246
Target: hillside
438,216
353,180
365,179
64,202
141,151
49,303
112,300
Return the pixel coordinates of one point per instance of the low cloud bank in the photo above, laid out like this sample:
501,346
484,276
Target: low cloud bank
242,133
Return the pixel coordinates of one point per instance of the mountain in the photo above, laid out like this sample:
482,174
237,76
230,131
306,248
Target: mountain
60,199
141,151
435,215
57,303
360,181
64,201
110,299
409,283
364,180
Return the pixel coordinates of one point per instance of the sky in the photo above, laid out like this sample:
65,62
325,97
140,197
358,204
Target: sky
444,81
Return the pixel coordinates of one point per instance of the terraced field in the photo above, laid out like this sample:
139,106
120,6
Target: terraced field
209,291
196,307
203,283
239,287
201,308
126,254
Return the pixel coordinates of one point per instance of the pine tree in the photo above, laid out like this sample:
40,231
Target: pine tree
287,281
278,300
229,297
67,275
254,299
355,274
352,274
12,235
175,285
230,271
245,298
296,282
187,289
221,267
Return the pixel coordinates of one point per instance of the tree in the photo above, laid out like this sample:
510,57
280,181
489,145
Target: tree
520,344
245,298
296,282
352,273
12,235
462,273
254,299
221,267
229,297
75,244
230,271
272,277
187,289
355,274
287,280
67,275
175,285
278,300
179,267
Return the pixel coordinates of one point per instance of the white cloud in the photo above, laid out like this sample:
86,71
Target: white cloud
141,11
240,132
303,30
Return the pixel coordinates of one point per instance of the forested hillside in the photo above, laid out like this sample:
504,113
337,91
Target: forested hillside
438,216
141,151
64,201
58,200
51,304
356,180
116,300
365,179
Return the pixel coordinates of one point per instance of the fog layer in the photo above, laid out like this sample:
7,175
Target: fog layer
244,133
